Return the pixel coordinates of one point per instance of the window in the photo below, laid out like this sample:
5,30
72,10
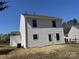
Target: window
50,39
35,36
57,36
34,23
19,45
53,23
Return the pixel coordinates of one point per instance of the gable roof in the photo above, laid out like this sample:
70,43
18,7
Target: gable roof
41,16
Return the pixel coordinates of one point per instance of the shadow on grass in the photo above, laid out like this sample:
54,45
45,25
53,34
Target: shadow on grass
5,51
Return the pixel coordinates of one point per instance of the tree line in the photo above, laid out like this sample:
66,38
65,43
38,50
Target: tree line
67,25
4,38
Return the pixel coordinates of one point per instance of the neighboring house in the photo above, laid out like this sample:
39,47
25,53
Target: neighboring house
73,35
37,31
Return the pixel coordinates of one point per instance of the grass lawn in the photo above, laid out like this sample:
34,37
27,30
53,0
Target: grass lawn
64,51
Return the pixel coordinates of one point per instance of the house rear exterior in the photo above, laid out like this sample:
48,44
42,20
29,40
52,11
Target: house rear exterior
37,31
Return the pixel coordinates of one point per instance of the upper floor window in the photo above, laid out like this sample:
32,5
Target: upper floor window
34,23
53,23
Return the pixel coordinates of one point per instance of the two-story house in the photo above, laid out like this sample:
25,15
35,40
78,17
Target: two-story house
37,31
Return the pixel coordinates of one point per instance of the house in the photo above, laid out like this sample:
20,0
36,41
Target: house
37,31
73,35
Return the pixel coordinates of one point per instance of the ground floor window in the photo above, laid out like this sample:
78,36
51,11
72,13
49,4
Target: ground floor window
50,39
35,37
57,36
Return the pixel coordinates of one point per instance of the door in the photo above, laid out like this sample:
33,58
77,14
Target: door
19,45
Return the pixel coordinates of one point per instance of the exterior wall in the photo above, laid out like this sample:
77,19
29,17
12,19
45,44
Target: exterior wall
43,38
44,27
14,40
59,23
23,31
74,33
43,23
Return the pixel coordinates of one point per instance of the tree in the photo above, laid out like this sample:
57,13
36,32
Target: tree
3,5
4,39
67,25
75,21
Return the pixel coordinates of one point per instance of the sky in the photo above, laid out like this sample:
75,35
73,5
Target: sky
10,17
